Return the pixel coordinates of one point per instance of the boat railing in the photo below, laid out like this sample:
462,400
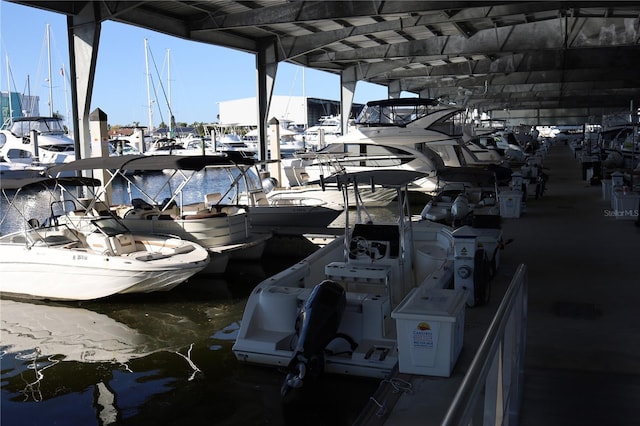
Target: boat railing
491,391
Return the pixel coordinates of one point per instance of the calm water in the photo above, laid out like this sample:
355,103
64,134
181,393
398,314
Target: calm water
160,358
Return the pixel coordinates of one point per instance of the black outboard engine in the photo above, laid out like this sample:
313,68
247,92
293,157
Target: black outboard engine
316,326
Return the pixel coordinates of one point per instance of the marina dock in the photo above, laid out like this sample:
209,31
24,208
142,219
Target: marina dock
582,338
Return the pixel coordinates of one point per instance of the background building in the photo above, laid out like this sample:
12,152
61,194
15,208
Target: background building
299,110
22,105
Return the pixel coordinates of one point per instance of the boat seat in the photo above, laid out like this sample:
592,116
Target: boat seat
99,243
122,244
212,198
194,209
260,198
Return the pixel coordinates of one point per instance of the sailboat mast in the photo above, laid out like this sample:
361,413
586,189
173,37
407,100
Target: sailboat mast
171,119
49,65
146,59
30,103
66,98
9,89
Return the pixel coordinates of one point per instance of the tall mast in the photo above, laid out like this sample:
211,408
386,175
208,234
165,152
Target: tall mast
171,119
66,98
146,59
9,89
169,77
30,104
50,81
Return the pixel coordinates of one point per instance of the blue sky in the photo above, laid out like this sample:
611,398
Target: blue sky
201,75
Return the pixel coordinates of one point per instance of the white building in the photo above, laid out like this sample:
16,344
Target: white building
300,110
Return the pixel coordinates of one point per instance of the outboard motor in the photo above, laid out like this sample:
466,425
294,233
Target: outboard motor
316,326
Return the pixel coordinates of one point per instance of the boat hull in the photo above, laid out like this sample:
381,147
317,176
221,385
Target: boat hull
61,273
270,217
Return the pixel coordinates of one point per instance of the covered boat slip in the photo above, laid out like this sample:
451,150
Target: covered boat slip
580,357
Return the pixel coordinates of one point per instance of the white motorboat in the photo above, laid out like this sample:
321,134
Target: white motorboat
406,134
409,134
170,146
51,144
219,224
332,195
389,134
332,311
327,130
63,258
469,196
284,210
289,142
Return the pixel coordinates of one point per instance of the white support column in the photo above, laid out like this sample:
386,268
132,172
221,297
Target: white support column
348,82
274,142
266,69
100,147
83,31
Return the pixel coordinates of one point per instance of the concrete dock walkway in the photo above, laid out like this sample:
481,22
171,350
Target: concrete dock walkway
582,363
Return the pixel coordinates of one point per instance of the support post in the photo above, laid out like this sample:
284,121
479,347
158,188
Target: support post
83,31
266,69
274,145
100,147
348,82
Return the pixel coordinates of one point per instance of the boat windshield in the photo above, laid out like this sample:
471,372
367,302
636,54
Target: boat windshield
43,125
110,226
396,112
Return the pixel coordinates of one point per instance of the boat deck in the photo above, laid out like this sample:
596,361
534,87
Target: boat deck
582,363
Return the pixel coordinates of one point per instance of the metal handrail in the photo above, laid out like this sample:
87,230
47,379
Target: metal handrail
498,366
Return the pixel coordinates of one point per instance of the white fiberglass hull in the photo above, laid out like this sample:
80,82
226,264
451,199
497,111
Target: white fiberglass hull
61,273
269,217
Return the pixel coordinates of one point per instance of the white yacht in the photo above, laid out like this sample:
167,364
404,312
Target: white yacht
51,144
388,134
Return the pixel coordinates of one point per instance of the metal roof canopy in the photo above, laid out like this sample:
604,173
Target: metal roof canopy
556,62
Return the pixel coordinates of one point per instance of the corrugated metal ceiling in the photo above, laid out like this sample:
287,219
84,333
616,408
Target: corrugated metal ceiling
493,55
